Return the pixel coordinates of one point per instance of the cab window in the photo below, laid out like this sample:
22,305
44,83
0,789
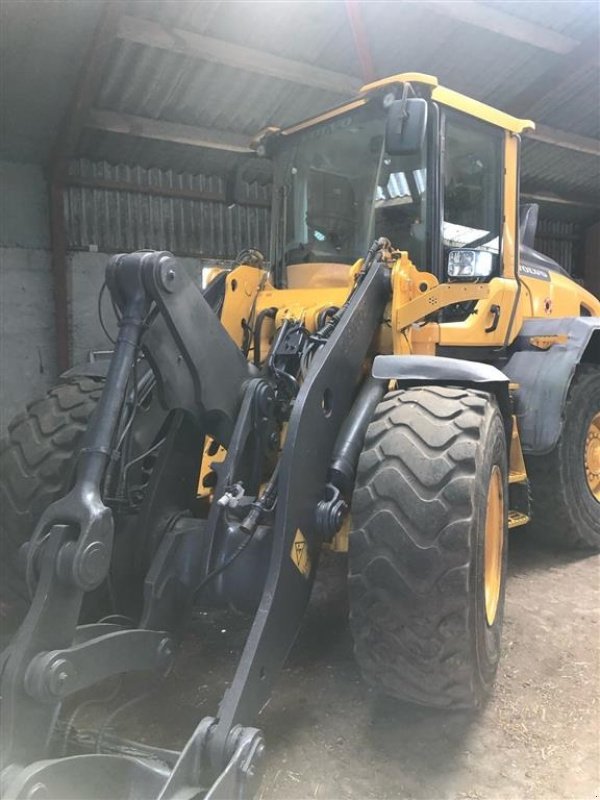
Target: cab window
472,187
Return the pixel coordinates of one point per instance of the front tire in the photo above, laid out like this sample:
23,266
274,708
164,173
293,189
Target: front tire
426,584
565,484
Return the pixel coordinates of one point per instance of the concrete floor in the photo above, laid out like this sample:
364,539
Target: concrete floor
328,736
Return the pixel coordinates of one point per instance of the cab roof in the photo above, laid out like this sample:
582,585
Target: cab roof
448,97
440,94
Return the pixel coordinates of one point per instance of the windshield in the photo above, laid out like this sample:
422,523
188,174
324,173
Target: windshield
336,189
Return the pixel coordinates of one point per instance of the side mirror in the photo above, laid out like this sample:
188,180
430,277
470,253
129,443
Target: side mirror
405,127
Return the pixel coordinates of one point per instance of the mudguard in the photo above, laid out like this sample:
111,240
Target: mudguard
415,370
543,360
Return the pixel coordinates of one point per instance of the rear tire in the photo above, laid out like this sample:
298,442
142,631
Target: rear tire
37,463
417,551
565,512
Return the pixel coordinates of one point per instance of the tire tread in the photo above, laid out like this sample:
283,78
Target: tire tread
36,461
555,519
409,572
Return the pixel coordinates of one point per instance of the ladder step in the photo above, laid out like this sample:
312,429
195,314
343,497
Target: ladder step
516,518
517,477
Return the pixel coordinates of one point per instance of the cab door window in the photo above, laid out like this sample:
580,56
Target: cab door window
472,187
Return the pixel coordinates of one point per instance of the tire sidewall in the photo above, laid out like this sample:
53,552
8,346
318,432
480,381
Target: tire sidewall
487,639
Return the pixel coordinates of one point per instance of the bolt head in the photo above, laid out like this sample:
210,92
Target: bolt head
93,565
167,275
60,677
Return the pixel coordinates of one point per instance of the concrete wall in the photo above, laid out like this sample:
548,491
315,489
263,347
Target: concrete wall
87,275
27,354
27,337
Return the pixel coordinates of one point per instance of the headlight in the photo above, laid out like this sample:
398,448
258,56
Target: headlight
470,264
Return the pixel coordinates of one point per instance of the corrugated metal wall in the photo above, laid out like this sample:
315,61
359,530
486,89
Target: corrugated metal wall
126,219
123,219
562,241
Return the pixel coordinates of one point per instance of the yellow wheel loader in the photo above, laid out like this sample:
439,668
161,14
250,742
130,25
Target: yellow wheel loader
405,379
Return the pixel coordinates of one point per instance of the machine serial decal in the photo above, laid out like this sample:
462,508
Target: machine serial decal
300,554
534,272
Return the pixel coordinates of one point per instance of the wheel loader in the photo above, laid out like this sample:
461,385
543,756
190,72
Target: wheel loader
405,379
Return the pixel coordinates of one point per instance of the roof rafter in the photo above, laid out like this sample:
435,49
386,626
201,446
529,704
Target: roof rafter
550,196
565,139
175,132
215,139
484,16
207,48
88,82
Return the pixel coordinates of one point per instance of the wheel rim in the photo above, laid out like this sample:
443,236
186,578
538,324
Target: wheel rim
494,542
592,457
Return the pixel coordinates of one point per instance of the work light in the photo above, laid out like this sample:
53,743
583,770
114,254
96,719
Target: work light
469,264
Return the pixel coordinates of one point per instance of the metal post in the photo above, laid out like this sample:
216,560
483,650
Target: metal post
58,242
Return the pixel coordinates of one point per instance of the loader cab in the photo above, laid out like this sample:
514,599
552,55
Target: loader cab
350,176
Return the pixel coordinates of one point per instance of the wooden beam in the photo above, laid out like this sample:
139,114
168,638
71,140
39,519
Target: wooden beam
219,51
483,16
60,282
106,184
559,76
545,196
182,193
173,132
88,82
566,140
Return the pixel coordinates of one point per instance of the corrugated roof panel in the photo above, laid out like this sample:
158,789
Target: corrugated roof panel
574,107
158,84
563,170
41,45
464,57
303,31
573,18
42,53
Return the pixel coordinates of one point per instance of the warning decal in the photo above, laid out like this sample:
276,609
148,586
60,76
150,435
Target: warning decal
300,555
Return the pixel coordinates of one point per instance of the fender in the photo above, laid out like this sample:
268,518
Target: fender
438,370
544,370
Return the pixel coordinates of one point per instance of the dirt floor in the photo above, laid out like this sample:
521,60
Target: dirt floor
329,736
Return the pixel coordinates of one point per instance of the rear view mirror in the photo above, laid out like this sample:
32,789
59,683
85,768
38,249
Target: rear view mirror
405,127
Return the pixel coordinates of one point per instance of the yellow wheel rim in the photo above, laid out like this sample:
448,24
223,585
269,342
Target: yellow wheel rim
592,457
494,544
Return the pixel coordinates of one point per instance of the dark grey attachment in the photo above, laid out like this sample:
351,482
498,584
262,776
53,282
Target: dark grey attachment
528,221
544,376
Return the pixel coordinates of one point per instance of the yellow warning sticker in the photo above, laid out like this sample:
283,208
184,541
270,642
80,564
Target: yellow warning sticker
300,555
